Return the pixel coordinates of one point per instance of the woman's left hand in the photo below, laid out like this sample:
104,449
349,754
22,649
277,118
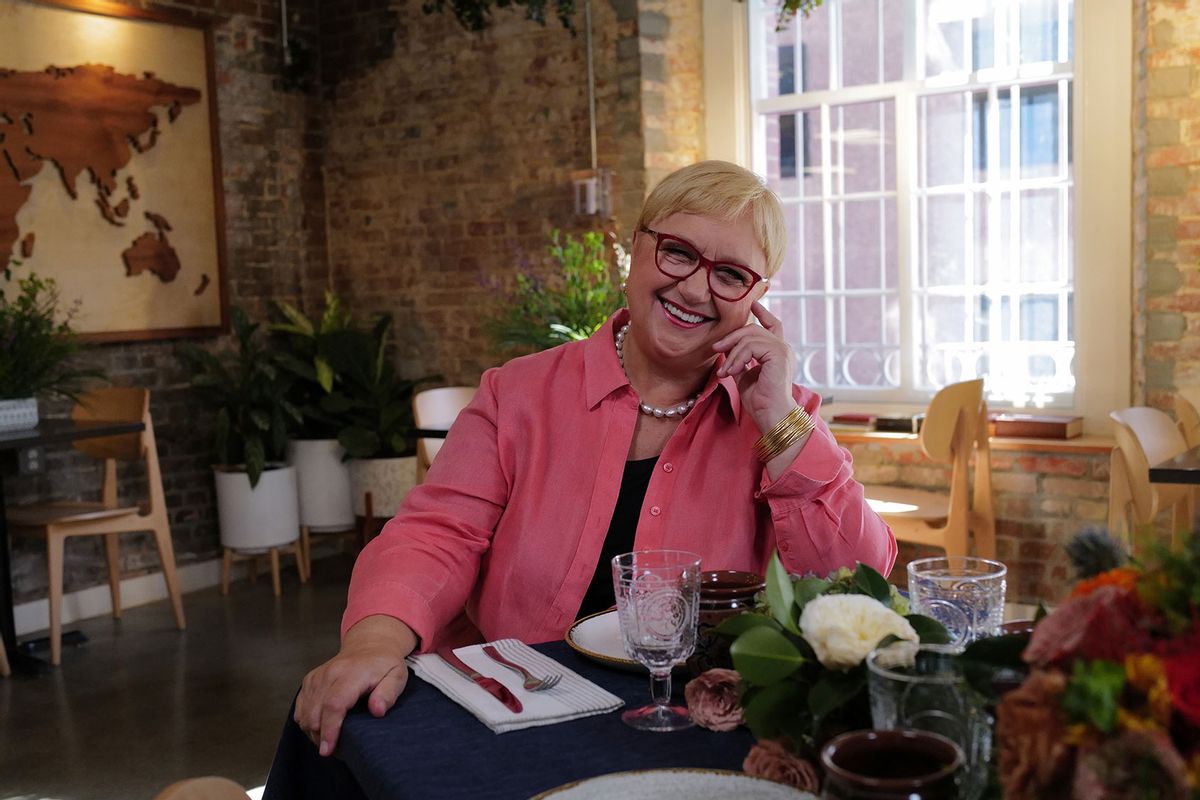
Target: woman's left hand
763,364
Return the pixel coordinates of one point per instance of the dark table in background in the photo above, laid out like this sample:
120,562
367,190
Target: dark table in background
427,746
48,432
1183,468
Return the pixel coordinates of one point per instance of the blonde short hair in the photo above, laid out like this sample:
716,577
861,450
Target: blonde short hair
725,191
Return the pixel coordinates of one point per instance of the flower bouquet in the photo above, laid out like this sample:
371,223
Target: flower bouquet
799,675
1111,706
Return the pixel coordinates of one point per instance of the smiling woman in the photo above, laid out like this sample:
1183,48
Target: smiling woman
675,426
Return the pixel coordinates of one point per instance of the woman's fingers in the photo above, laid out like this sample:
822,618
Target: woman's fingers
768,320
385,693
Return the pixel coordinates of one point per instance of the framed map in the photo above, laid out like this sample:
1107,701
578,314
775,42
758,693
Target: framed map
110,177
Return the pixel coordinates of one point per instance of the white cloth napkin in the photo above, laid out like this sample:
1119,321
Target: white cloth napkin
572,698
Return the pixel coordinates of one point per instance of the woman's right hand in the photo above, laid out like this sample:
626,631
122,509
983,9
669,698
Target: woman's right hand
371,660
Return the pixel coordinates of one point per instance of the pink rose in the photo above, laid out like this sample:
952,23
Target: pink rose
1105,624
771,760
712,700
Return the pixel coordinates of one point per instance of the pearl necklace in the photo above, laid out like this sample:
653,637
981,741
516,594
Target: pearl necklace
646,408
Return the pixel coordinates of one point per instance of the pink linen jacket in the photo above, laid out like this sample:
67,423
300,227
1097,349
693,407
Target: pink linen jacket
512,515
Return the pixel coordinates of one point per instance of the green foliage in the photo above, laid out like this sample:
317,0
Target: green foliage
248,390
36,345
305,351
569,306
786,690
1093,692
1171,583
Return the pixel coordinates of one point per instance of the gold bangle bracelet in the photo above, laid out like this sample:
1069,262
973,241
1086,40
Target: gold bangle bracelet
795,425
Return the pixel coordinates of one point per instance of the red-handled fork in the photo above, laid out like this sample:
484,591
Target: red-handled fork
531,683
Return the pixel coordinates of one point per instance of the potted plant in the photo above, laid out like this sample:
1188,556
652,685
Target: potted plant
322,474
376,404
572,304
36,345
257,503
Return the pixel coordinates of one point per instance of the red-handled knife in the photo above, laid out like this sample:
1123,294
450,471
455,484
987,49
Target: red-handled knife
490,685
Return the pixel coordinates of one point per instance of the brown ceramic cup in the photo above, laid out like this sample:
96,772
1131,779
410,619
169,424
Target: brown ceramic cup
891,765
724,593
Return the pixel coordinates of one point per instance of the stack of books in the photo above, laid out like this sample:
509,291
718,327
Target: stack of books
1034,426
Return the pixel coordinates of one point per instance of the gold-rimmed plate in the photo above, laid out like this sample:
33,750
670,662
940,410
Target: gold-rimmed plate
694,784
598,637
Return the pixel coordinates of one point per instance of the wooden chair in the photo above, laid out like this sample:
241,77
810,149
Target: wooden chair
1145,436
56,521
207,788
955,424
437,408
5,669
1187,401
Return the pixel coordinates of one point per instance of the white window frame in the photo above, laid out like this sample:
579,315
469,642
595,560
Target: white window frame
1103,196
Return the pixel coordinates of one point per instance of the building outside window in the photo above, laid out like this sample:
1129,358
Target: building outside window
923,151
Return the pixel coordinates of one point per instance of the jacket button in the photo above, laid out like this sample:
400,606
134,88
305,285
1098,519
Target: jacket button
655,511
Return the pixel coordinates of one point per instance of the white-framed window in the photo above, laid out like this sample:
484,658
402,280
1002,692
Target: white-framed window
936,159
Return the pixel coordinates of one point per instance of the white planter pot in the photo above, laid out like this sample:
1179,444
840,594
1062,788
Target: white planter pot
387,479
323,481
18,415
256,519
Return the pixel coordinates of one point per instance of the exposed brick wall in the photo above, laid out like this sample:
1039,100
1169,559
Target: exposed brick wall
452,157
671,37
1167,158
1041,501
270,143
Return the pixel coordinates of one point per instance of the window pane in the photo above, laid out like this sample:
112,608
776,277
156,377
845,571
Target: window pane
863,254
860,42
860,143
943,137
812,217
1039,318
944,257
863,320
795,59
793,153
1039,30
788,276
1039,235
943,37
983,34
891,246
1039,131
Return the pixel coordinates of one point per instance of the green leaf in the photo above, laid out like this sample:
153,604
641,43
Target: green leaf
763,656
256,459
1041,612
833,690
990,663
261,419
359,442
806,589
780,594
769,706
1093,692
736,626
872,584
324,374
929,629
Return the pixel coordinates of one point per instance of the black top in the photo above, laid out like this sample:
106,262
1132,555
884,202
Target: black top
621,531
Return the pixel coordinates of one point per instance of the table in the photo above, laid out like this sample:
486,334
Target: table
1183,468
51,431
427,746
431,433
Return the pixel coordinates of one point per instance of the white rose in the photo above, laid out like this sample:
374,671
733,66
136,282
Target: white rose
843,628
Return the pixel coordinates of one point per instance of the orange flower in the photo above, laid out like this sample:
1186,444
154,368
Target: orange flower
1124,577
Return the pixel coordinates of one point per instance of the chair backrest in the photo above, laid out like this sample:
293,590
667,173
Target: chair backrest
1187,403
1145,436
114,404
952,420
438,408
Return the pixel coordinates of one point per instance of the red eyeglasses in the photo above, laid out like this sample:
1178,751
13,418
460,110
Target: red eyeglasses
678,258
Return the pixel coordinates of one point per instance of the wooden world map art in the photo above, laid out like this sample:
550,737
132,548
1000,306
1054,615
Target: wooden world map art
89,120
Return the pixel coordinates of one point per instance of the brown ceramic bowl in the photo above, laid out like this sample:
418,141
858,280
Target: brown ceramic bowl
730,583
1022,626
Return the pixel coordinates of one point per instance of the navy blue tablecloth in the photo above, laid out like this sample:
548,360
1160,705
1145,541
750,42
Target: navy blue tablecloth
429,747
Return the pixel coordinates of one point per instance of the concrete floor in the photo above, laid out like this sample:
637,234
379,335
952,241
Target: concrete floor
142,704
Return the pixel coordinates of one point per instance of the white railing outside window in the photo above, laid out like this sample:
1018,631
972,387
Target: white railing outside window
923,153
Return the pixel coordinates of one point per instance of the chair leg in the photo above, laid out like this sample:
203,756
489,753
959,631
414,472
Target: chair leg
253,568
54,562
306,549
275,571
166,554
5,669
112,551
226,564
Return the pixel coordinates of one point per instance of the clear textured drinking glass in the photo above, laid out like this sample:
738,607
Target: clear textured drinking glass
657,594
932,695
964,594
